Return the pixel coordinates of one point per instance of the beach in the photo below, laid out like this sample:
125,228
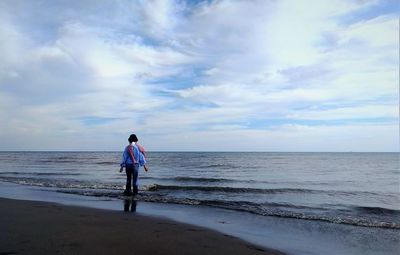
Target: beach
324,203
32,227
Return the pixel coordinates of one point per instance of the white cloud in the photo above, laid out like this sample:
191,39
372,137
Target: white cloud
213,68
116,59
359,112
377,32
159,17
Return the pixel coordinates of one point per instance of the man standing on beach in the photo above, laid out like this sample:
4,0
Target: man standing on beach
132,159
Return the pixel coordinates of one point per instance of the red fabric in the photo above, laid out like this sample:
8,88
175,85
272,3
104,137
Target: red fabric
130,153
141,149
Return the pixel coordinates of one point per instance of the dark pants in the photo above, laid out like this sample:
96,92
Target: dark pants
131,178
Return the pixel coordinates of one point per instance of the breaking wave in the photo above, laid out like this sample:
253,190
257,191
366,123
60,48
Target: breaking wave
352,215
266,209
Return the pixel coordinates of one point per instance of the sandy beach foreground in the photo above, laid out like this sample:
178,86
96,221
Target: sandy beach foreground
30,227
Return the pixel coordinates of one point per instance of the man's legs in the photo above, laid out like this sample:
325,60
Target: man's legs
135,173
128,170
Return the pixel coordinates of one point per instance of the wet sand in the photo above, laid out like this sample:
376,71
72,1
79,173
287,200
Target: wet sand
30,227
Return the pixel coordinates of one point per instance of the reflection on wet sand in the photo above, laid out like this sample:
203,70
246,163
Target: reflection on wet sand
130,205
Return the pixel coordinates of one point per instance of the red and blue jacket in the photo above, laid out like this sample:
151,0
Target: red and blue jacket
133,154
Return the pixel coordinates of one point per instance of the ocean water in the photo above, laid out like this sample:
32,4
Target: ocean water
348,189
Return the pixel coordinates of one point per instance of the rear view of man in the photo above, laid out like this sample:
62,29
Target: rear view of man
132,159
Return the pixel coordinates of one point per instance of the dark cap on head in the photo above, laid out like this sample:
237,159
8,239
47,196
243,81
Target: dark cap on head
132,138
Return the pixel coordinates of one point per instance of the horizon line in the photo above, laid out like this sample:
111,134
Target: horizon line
190,151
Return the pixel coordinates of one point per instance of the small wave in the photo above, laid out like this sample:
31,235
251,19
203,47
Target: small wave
39,173
59,183
261,191
231,189
197,179
71,183
57,161
201,179
209,179
378,210
115,194
359,216
107,163
274,209
220,166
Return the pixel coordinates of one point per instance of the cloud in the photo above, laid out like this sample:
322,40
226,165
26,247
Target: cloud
352,113
266,71
159,18
284,138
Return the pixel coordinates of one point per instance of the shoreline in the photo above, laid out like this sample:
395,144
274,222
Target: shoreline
34,227
270,233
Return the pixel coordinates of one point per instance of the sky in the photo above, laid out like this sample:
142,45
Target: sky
230,75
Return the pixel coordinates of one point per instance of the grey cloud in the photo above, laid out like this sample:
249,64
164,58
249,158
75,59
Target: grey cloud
45,79
304,73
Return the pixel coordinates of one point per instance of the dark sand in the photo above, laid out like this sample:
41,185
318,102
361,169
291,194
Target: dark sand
28,227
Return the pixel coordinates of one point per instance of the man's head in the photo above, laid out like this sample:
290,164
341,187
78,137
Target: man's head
132,138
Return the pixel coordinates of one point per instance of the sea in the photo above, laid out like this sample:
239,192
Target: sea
351,194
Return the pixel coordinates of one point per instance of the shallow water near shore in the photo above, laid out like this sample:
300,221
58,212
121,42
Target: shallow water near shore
324,203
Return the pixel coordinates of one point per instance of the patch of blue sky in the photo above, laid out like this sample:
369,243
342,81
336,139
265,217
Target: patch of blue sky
189,77
94,121
205,126
196,2
148,41
266,123
330,105
171,83
191,4
182,103
188,104
384,7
